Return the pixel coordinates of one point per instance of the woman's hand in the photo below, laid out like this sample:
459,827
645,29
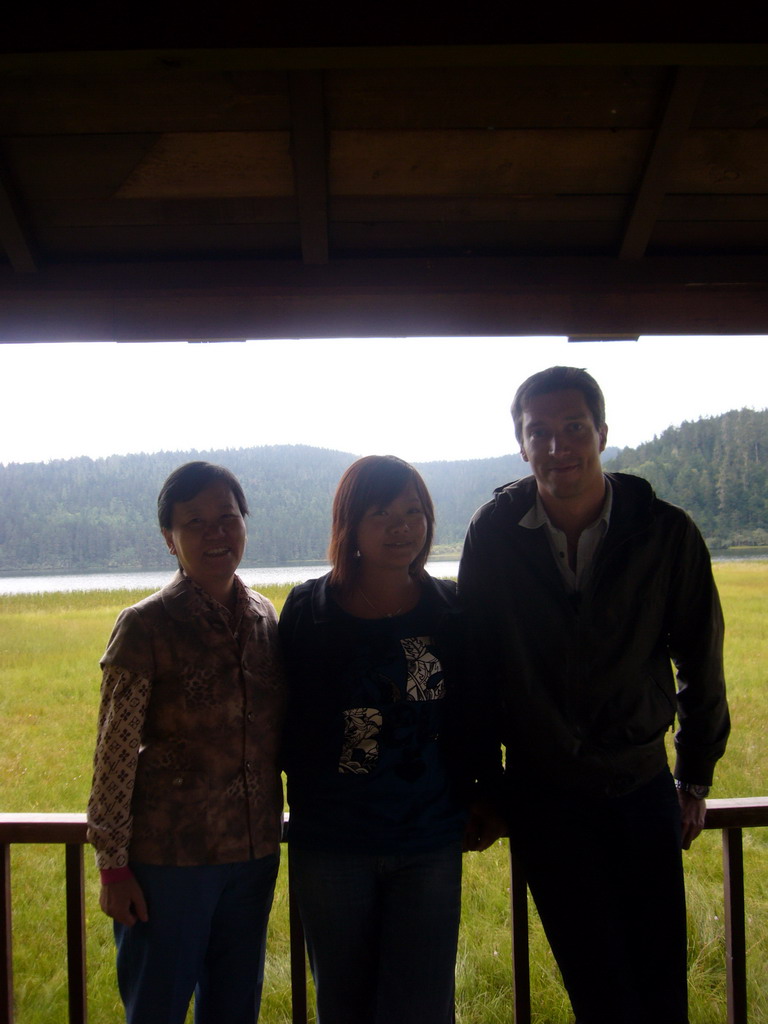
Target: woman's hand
124,901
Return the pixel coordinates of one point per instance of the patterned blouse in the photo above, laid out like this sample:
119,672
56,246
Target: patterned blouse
192,698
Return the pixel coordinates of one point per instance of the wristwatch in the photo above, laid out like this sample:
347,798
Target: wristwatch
700,792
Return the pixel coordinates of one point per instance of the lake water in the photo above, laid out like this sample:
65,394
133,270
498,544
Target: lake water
255,577
258,576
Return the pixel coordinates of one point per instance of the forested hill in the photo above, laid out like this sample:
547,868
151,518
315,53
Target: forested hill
92,514
716,468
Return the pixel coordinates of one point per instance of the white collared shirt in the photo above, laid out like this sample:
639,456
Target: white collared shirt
589,540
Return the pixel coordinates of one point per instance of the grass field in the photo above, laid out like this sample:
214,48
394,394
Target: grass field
49,683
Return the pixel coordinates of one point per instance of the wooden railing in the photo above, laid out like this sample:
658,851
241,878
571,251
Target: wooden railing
69,830
730,816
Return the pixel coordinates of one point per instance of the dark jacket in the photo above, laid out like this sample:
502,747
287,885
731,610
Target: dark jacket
316,637
585,684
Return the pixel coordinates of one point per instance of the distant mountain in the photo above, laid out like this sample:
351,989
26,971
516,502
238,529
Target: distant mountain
92,514
89,514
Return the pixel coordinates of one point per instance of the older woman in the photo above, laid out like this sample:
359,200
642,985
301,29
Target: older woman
373,760
185,809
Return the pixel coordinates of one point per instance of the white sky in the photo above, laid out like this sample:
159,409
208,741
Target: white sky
419,398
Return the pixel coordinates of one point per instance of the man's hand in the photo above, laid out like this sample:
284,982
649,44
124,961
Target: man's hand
124,901
692,814
485,825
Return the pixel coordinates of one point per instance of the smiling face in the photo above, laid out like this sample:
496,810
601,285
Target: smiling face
562,444
207,535
392,536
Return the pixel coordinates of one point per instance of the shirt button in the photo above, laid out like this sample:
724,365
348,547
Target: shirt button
178,781
251,716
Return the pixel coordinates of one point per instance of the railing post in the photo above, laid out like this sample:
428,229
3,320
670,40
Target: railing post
521,975
78,1013
735,929
298,957
6,937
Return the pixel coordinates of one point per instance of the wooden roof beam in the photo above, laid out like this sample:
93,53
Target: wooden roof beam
385,298
309,148
95,60
675,120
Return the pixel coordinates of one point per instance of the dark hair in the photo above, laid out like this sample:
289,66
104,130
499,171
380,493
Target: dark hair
559,378
187,481
373,480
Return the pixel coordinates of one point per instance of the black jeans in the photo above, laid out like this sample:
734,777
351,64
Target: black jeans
607,880
381,933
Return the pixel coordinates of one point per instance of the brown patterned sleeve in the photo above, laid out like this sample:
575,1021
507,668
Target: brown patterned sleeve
124,700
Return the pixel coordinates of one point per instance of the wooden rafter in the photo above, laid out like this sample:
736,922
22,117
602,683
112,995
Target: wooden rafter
310,161
676,118
13,238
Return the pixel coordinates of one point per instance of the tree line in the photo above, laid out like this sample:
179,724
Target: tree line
716,468
86,514
91,514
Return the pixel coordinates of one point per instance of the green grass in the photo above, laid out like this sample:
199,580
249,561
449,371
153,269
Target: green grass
49,685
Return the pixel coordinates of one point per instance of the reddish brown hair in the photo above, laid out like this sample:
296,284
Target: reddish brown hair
373,480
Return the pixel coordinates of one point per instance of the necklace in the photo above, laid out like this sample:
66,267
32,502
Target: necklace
372,606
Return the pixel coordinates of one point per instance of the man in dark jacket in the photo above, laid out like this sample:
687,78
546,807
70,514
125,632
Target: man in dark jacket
584,589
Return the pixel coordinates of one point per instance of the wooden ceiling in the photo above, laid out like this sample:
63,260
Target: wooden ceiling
206,190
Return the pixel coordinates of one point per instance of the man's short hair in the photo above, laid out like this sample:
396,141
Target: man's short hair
559,378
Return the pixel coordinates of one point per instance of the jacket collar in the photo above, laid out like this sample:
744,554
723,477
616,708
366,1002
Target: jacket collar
183,601
631,509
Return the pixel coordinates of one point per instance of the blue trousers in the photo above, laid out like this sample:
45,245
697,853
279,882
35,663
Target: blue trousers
381,933
206,935
607,880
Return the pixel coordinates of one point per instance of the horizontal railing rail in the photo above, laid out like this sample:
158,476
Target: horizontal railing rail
730,816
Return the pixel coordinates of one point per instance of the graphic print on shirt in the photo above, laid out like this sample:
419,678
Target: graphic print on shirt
363,726
425,673
360,749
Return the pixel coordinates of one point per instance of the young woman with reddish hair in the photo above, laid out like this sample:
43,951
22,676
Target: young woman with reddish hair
377,754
